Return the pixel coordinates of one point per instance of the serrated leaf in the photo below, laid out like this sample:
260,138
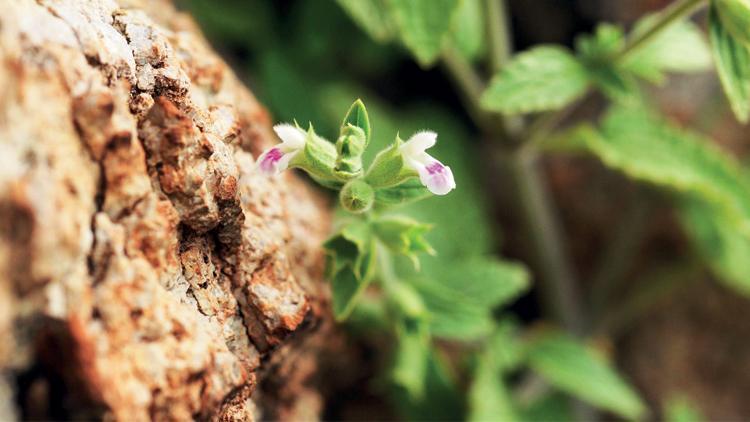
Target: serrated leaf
461,297
577,370
680,47
726,249
357,116
467,29
733,66
423,24
649,149
372,16
404,236
543,78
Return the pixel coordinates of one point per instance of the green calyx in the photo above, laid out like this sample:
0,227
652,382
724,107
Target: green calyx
388,168
357,196
318,159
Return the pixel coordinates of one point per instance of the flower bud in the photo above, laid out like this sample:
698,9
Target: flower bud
357,196
350,146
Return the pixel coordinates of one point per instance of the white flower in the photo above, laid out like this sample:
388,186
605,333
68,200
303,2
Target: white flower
432,173
275,160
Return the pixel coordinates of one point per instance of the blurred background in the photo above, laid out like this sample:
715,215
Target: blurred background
307,60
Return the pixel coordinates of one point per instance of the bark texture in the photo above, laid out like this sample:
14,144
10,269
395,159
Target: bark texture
146,270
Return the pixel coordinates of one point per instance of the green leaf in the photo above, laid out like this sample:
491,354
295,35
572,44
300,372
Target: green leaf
579,371
461,296
453,315
372,16
351,264
596,52
345,289
680,409
404,236
441,399
616,84
599,47
486,281
423,24
489,399
553,406
543,78
649,149
412,356
726,249
680,47
735,16
507,345
733,66
467,29
409,191
357,116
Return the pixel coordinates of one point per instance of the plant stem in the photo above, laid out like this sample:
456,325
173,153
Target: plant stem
672,13
619,253
559,288
498,33
562,297
467,80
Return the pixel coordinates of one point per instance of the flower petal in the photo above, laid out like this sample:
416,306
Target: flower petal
292,137
436,177
419,142
270,162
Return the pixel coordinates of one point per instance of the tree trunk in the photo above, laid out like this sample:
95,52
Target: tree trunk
146,270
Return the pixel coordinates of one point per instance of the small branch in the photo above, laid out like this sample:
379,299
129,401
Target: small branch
467,80
672,13
498,31
470,86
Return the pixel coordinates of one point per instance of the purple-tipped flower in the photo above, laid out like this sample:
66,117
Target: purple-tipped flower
275,160
432,173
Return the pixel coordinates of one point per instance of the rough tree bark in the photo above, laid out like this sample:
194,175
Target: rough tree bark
146,270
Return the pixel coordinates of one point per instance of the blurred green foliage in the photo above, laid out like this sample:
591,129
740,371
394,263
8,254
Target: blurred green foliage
308,60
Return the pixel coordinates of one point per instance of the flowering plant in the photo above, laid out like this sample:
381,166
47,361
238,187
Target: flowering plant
389,180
